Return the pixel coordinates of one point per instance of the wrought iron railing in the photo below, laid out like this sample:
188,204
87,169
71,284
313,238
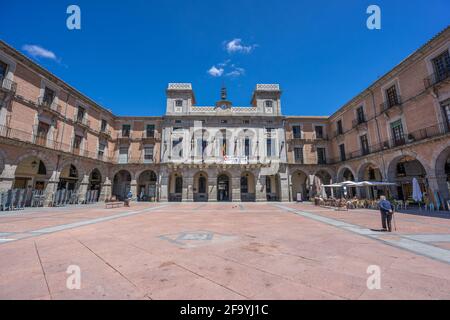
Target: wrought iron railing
8,84
391,103
437,77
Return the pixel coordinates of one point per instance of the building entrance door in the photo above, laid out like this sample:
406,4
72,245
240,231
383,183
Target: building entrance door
223,188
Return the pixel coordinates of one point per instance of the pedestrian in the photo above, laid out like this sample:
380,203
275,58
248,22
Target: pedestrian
386,210
128,199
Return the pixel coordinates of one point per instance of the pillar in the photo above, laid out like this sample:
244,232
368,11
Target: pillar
212,188
105,192
284,187
51,188
7,177
133,188
236,188
83,189
188,188
164,187
261,189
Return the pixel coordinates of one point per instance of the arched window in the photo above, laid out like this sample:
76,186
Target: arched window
244,184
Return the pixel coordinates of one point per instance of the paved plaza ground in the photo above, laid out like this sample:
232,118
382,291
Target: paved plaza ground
221,251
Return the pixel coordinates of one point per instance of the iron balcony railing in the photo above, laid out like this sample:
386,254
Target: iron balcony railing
82,120
437,77
43,141
436,130
49,105
7,84
359,121
391,103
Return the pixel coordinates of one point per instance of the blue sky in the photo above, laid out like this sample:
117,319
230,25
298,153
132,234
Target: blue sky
126,52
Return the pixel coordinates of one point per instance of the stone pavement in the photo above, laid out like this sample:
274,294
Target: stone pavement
221,251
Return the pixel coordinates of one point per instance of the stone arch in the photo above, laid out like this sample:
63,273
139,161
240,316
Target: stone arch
300,185
2,160
200,186
147,181
321,177
121,184
224,186
402,169
175,186
442,173
362,168
118,169
343,171
49,164
31,171
329,171
69,177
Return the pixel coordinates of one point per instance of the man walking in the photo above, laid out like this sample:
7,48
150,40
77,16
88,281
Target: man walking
387,212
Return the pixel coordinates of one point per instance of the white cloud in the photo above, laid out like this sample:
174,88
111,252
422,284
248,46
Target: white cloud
236,72
39,52
236,45
215,72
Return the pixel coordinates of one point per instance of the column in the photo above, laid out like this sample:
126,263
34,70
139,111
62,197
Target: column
433,188
51,188
105,192
188,188
164,187
236,188
83,189
133,188
284,187
7,177
261,189
212,188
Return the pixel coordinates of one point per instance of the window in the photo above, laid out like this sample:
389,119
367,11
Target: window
392,97
319,132
321,157
201,146
441,66
80,114
41,134
244,184
297,132
340,130
3,68
342,152
364,144
42,170
150,131
223,121
401,170
269,106
446,114
270,147
360,117
148,154
49,96
123,154
178,121
298,154
247,147
177,149
397,133
178,105
126,130
246,121
202,185
77,144
103,125
268,185
372,174
101,150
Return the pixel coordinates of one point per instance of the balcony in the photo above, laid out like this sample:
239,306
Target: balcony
7,84
359,123
82,121
140,160
437,78
148,136
389,105
50,106
105,133
124,136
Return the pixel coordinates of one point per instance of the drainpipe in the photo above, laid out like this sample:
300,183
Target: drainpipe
378,132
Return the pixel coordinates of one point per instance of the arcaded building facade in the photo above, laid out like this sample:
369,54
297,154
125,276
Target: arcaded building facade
52,138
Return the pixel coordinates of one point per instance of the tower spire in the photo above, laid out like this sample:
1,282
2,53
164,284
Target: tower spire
223,92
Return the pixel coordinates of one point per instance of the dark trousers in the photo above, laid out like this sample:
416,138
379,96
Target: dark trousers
386,219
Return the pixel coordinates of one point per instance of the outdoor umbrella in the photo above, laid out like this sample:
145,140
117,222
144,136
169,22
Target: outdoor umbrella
416,193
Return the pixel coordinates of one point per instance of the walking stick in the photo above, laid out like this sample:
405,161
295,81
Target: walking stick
395,223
